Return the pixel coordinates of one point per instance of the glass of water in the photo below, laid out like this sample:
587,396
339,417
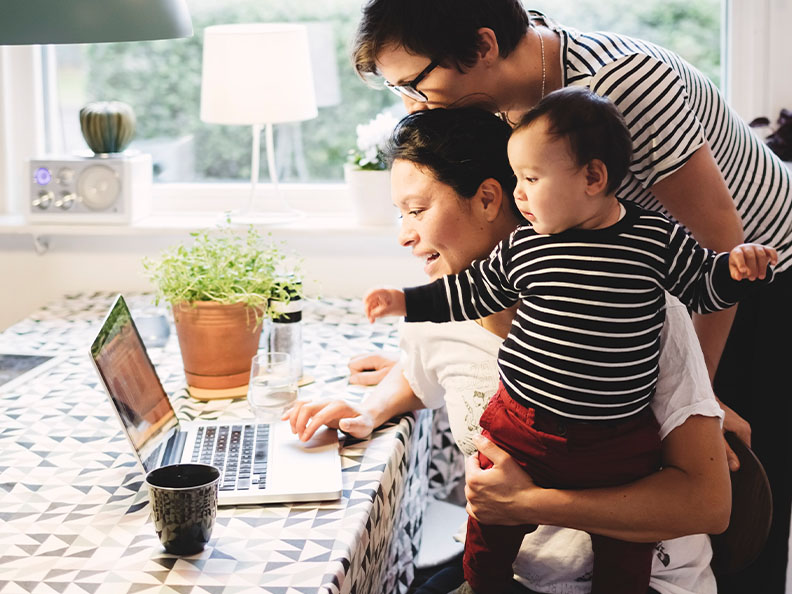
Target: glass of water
272,387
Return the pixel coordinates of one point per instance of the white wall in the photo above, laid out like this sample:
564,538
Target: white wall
759,56
342,264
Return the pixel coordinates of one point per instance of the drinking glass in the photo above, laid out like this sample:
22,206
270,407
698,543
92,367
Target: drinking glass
272,387
153,326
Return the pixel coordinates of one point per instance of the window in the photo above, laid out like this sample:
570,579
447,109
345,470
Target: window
161,81
162,84
691,28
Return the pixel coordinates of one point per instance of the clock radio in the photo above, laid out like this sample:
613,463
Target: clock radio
103,189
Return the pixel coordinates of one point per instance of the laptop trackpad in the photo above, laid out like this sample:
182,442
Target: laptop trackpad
310,467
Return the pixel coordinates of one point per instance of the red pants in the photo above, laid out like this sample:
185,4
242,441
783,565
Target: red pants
564,454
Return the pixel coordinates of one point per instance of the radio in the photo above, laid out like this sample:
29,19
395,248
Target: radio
106,189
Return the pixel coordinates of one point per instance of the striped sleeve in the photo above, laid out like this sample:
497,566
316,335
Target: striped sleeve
653,100
480,290
700,278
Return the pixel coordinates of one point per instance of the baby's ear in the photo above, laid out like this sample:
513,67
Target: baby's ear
596,177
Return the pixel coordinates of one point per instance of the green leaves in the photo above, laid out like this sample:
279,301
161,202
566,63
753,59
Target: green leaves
225,267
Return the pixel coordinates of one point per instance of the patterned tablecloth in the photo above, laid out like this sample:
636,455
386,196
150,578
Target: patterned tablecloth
74,516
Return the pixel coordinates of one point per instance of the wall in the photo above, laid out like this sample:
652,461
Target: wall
759,57
336,263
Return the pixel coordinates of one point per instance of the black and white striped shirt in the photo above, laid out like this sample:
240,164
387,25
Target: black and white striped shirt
585,341
671,109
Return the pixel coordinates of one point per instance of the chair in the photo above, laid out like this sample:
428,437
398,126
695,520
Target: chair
751,513
442,520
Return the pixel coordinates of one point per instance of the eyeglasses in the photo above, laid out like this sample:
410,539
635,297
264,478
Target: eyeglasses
408,89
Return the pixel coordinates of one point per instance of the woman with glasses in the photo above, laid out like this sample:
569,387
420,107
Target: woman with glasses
693,159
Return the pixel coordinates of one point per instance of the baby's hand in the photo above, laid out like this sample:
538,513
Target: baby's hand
379,303
750,260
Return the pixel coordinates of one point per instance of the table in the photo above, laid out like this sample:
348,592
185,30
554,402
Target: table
74,518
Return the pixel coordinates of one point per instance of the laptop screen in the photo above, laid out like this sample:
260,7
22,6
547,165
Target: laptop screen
131,381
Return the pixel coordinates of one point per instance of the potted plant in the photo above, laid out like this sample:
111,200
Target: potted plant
220,287
366,172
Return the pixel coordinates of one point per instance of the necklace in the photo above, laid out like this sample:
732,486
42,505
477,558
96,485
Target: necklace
544,69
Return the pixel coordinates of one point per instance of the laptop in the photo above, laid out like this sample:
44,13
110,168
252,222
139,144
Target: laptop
18,368
259,463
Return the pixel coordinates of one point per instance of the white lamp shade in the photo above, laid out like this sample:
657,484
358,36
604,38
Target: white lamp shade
256,73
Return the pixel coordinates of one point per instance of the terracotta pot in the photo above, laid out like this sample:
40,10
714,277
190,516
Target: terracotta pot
217,343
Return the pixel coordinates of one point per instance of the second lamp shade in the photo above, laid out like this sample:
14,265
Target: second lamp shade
256,74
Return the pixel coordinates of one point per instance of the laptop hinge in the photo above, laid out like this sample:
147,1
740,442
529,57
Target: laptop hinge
174,447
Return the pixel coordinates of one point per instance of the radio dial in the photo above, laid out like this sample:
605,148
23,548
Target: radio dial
99,187
65,176
44,200
66,201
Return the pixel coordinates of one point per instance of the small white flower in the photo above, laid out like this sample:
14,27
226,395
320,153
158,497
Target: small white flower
372,138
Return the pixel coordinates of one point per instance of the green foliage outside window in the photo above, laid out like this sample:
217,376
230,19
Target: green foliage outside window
691,28
161,79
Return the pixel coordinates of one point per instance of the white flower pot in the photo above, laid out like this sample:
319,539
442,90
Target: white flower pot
370,194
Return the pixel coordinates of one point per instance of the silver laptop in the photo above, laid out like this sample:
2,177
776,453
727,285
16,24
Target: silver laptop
259,463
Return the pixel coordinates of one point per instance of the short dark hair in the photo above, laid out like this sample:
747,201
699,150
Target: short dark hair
593,126
444,30
460,147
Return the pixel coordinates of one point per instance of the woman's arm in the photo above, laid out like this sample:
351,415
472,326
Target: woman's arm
369,369
696,195
393,396
690,495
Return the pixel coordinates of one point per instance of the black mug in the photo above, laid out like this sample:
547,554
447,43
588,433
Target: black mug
183,505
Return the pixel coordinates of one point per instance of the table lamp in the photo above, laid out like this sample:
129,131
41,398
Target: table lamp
258,74
90,21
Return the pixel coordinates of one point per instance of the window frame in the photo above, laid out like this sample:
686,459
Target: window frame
748,86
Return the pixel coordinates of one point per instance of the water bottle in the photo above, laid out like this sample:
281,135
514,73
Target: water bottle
286,330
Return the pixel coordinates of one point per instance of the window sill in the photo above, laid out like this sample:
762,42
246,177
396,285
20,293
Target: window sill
178,208
169,223
323,208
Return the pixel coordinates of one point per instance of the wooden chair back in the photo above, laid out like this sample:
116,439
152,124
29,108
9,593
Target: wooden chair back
751,513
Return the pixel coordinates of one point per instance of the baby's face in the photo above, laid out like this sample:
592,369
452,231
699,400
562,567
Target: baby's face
551,187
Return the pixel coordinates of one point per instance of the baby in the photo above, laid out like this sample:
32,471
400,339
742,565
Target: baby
579,366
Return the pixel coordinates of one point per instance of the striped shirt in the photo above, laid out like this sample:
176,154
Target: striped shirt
585,341
671,109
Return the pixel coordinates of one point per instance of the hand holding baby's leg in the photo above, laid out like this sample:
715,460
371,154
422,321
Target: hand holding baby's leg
379,303
750,261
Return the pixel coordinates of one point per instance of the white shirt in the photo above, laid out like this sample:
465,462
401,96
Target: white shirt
455,364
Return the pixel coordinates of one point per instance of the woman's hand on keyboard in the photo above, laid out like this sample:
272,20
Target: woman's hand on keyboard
307,417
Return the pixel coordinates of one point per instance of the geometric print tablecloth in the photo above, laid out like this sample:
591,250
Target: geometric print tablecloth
73,511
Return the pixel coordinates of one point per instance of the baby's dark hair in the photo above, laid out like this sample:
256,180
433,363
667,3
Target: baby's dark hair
591,124
460,147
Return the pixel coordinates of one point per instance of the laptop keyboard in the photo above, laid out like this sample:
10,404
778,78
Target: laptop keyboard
238,451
